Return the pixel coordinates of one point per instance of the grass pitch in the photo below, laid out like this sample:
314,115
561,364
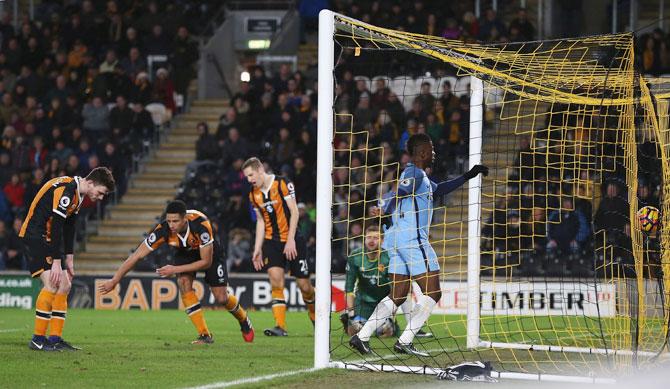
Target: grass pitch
152,349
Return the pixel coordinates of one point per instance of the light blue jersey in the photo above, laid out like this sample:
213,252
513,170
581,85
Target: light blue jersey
407,240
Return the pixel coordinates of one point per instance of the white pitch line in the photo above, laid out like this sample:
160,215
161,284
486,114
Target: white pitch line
11,330
253,380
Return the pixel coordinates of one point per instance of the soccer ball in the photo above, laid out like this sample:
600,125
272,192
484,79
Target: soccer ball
649,218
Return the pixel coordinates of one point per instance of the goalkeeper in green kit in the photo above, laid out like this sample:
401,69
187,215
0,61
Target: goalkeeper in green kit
367,283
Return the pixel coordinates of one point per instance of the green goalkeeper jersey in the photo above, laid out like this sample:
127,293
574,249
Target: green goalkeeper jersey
369,278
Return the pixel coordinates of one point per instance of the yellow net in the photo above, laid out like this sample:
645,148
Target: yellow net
576,141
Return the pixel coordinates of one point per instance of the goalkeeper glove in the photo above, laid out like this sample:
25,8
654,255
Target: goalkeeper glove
472,173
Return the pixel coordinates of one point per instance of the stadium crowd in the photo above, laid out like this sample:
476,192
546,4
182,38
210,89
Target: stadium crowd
273,116
75,86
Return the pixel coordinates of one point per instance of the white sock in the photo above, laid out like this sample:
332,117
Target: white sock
383,311
419,315
407,308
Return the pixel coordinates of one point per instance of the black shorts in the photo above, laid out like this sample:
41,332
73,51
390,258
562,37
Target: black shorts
37,252
216,275
273,256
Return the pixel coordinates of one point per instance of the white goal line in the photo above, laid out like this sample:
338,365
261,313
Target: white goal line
495,374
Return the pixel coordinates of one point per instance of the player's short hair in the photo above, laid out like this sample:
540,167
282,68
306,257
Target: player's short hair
253,163
372,228
176,206
102,176
415,141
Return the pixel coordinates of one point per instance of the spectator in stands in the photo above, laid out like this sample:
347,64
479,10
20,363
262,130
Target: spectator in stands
523,25
111,159
96,118
6,169
15,191
234,147
134,63
239,250
163,90
11,256
38,153
141,91
121,115
491,27
568,230
184,56
206,147
141,124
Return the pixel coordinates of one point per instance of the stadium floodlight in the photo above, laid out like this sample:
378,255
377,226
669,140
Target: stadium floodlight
570,131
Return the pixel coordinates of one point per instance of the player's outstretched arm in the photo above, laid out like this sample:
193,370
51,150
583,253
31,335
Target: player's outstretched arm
446,187
205,261
139,253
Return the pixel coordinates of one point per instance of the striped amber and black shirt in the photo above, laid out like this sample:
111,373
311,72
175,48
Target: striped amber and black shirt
52,214
198,234
273,208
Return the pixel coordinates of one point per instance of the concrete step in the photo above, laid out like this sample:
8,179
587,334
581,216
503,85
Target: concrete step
182,154
138,208
143,199
129,223
151,191
121,240
120,250
193,123
137,232
176,168
99,262
129,214
182,131
150,183
160,176
203,115
179,138
211,103
177,146
170,160
210,111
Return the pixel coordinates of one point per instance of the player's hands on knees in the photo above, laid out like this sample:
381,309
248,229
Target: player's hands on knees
257,260
166,271
107,286
56,273
290,250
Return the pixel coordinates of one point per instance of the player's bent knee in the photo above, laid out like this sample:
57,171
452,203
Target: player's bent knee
436,295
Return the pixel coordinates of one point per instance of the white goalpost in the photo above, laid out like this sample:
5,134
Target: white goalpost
479,325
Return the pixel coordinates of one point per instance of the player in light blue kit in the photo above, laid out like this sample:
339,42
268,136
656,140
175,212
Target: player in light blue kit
412,258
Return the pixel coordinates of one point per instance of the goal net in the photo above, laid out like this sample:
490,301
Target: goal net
544,269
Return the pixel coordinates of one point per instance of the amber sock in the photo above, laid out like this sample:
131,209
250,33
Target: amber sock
194,312
58,312
308,298
233,306
43,311
279,307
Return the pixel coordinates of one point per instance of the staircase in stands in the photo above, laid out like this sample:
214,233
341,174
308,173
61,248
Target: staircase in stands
149,190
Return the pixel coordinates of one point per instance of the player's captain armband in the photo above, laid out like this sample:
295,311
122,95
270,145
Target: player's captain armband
387,202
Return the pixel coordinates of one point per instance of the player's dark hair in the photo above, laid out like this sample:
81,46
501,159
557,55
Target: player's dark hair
102,176
253,163
415,141
176,206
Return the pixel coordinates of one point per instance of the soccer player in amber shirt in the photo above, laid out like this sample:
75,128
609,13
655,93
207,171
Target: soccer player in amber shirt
47,235
278,244
190,233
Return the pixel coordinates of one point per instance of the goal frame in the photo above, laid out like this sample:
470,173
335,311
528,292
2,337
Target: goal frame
324,217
